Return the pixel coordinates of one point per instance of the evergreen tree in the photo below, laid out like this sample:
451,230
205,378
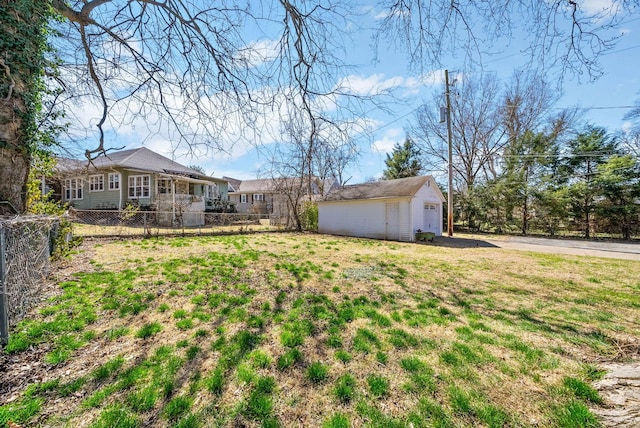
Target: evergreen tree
619,183
579,170
403,162
528,162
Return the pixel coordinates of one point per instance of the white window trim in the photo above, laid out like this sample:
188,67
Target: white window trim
114,181
243,198
73,189
258,197
96,183
139,187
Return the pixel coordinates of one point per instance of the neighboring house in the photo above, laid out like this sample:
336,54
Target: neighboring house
391,209
142,178
273,195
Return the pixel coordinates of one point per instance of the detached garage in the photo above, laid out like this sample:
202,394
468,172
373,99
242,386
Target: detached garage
392,209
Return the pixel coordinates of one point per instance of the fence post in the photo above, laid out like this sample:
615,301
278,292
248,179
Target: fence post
4,303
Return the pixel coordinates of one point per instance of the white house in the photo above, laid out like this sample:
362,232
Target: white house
391,209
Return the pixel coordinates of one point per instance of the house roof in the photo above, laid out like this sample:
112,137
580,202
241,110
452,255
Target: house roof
277,185
143,159
401,187
260,185
234,183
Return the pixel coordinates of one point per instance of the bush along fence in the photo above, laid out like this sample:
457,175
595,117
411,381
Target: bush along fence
26,244
141,223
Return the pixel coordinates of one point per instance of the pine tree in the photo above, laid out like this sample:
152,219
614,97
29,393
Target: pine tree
403,162
587,152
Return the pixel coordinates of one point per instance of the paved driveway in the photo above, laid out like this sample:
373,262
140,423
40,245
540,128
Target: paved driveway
615,250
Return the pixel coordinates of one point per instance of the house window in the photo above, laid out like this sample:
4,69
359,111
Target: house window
211,191
114,181
164,186
243,198
73,189
258,197
96,183
139,186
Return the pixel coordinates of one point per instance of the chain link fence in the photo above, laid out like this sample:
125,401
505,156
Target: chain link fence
141,223
25,247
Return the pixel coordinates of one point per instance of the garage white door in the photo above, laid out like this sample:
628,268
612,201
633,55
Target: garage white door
431,218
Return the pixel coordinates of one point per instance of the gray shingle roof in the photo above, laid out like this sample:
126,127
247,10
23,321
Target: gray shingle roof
143,159
265,185
234,183
261,185
402,187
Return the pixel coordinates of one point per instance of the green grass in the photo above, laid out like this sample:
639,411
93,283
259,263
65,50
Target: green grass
378,385
582,390
106,370
344,389
337,420
116,416
149,330
261,330
289,358
574,414
177,407
20,412
317,372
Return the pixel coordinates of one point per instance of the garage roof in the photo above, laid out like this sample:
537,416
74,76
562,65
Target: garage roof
401,187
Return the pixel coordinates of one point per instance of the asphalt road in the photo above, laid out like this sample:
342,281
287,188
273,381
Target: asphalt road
616,250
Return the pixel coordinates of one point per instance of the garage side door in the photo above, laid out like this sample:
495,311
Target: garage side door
393,221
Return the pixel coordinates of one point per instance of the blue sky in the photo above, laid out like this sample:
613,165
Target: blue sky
605,101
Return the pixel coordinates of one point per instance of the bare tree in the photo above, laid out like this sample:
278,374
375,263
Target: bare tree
630,142
475,124
198,70
528,99
302,168
568,34
528,106
203,71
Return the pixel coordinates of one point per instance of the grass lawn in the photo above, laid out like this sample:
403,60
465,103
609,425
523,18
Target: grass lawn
311,330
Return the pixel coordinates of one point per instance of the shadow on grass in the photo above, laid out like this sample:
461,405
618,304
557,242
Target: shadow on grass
453,242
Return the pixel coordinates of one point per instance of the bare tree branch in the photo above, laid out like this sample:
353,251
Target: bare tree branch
564,34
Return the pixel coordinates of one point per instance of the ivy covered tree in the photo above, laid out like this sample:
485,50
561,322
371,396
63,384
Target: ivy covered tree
23,48
404,161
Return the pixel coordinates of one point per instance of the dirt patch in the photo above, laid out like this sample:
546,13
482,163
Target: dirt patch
620,390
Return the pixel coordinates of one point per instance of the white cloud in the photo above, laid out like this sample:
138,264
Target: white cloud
600,6
259,52
390,138
378,84
375,84
385,13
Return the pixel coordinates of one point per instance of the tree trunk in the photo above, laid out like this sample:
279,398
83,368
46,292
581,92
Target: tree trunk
14,154
525,216
14,170
21,59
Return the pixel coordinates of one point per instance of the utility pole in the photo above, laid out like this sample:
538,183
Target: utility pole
450,184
